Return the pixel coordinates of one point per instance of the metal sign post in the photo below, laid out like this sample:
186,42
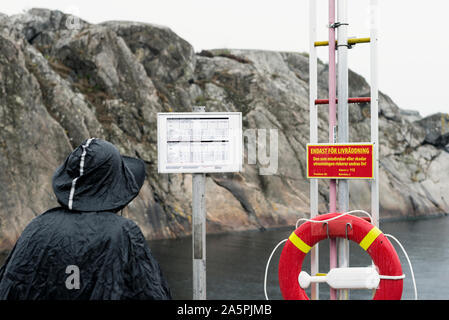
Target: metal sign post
199,231
199,142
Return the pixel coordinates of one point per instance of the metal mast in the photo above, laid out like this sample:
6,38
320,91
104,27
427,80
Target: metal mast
332,130
343,126
343,100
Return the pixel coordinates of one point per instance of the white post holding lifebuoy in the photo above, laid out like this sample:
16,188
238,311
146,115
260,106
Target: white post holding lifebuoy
374,110
313,114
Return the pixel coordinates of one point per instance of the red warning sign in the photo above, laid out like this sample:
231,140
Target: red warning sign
340,161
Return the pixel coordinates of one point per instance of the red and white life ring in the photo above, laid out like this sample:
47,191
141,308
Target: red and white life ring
369,237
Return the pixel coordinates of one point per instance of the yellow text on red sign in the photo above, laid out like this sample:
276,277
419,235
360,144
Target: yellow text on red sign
340,161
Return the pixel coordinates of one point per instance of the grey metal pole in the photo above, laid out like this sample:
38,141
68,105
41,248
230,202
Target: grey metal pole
199,231
343,128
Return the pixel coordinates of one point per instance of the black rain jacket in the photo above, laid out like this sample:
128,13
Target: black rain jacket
87,251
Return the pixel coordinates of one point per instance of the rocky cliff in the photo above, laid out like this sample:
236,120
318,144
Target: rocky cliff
63,80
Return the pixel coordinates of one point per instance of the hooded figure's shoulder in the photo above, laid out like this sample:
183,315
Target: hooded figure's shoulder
64,215
109,251
62,223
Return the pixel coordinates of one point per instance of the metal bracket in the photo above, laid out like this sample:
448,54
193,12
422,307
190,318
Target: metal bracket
338,24
327,228
349,46
346,229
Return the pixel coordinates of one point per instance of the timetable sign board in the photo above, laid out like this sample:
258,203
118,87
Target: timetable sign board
199,142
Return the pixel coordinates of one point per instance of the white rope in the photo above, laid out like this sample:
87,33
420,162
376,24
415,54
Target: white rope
409,263
402,276
386,277
334,218
266,268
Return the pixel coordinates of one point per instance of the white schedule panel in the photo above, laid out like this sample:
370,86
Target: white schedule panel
199,142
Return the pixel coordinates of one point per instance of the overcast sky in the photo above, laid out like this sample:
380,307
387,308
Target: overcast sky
413,48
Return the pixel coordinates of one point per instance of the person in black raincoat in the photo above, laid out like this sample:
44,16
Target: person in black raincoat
84,249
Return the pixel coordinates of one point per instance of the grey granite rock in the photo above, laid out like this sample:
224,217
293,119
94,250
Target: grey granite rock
63,80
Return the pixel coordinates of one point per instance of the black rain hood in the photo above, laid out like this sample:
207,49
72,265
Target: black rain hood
84,250
95,177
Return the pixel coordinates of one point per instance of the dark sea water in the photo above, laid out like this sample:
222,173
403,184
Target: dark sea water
236,261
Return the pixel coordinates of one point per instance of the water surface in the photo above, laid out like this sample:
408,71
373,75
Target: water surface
236,261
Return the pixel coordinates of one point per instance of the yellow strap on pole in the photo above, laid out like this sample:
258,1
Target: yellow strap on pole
321,43
358,40
350,42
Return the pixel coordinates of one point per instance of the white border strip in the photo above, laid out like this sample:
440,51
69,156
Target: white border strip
83,156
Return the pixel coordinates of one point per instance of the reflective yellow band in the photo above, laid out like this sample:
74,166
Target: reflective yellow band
301,245
369,238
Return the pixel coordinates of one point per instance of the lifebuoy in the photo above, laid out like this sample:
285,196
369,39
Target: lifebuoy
369,237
